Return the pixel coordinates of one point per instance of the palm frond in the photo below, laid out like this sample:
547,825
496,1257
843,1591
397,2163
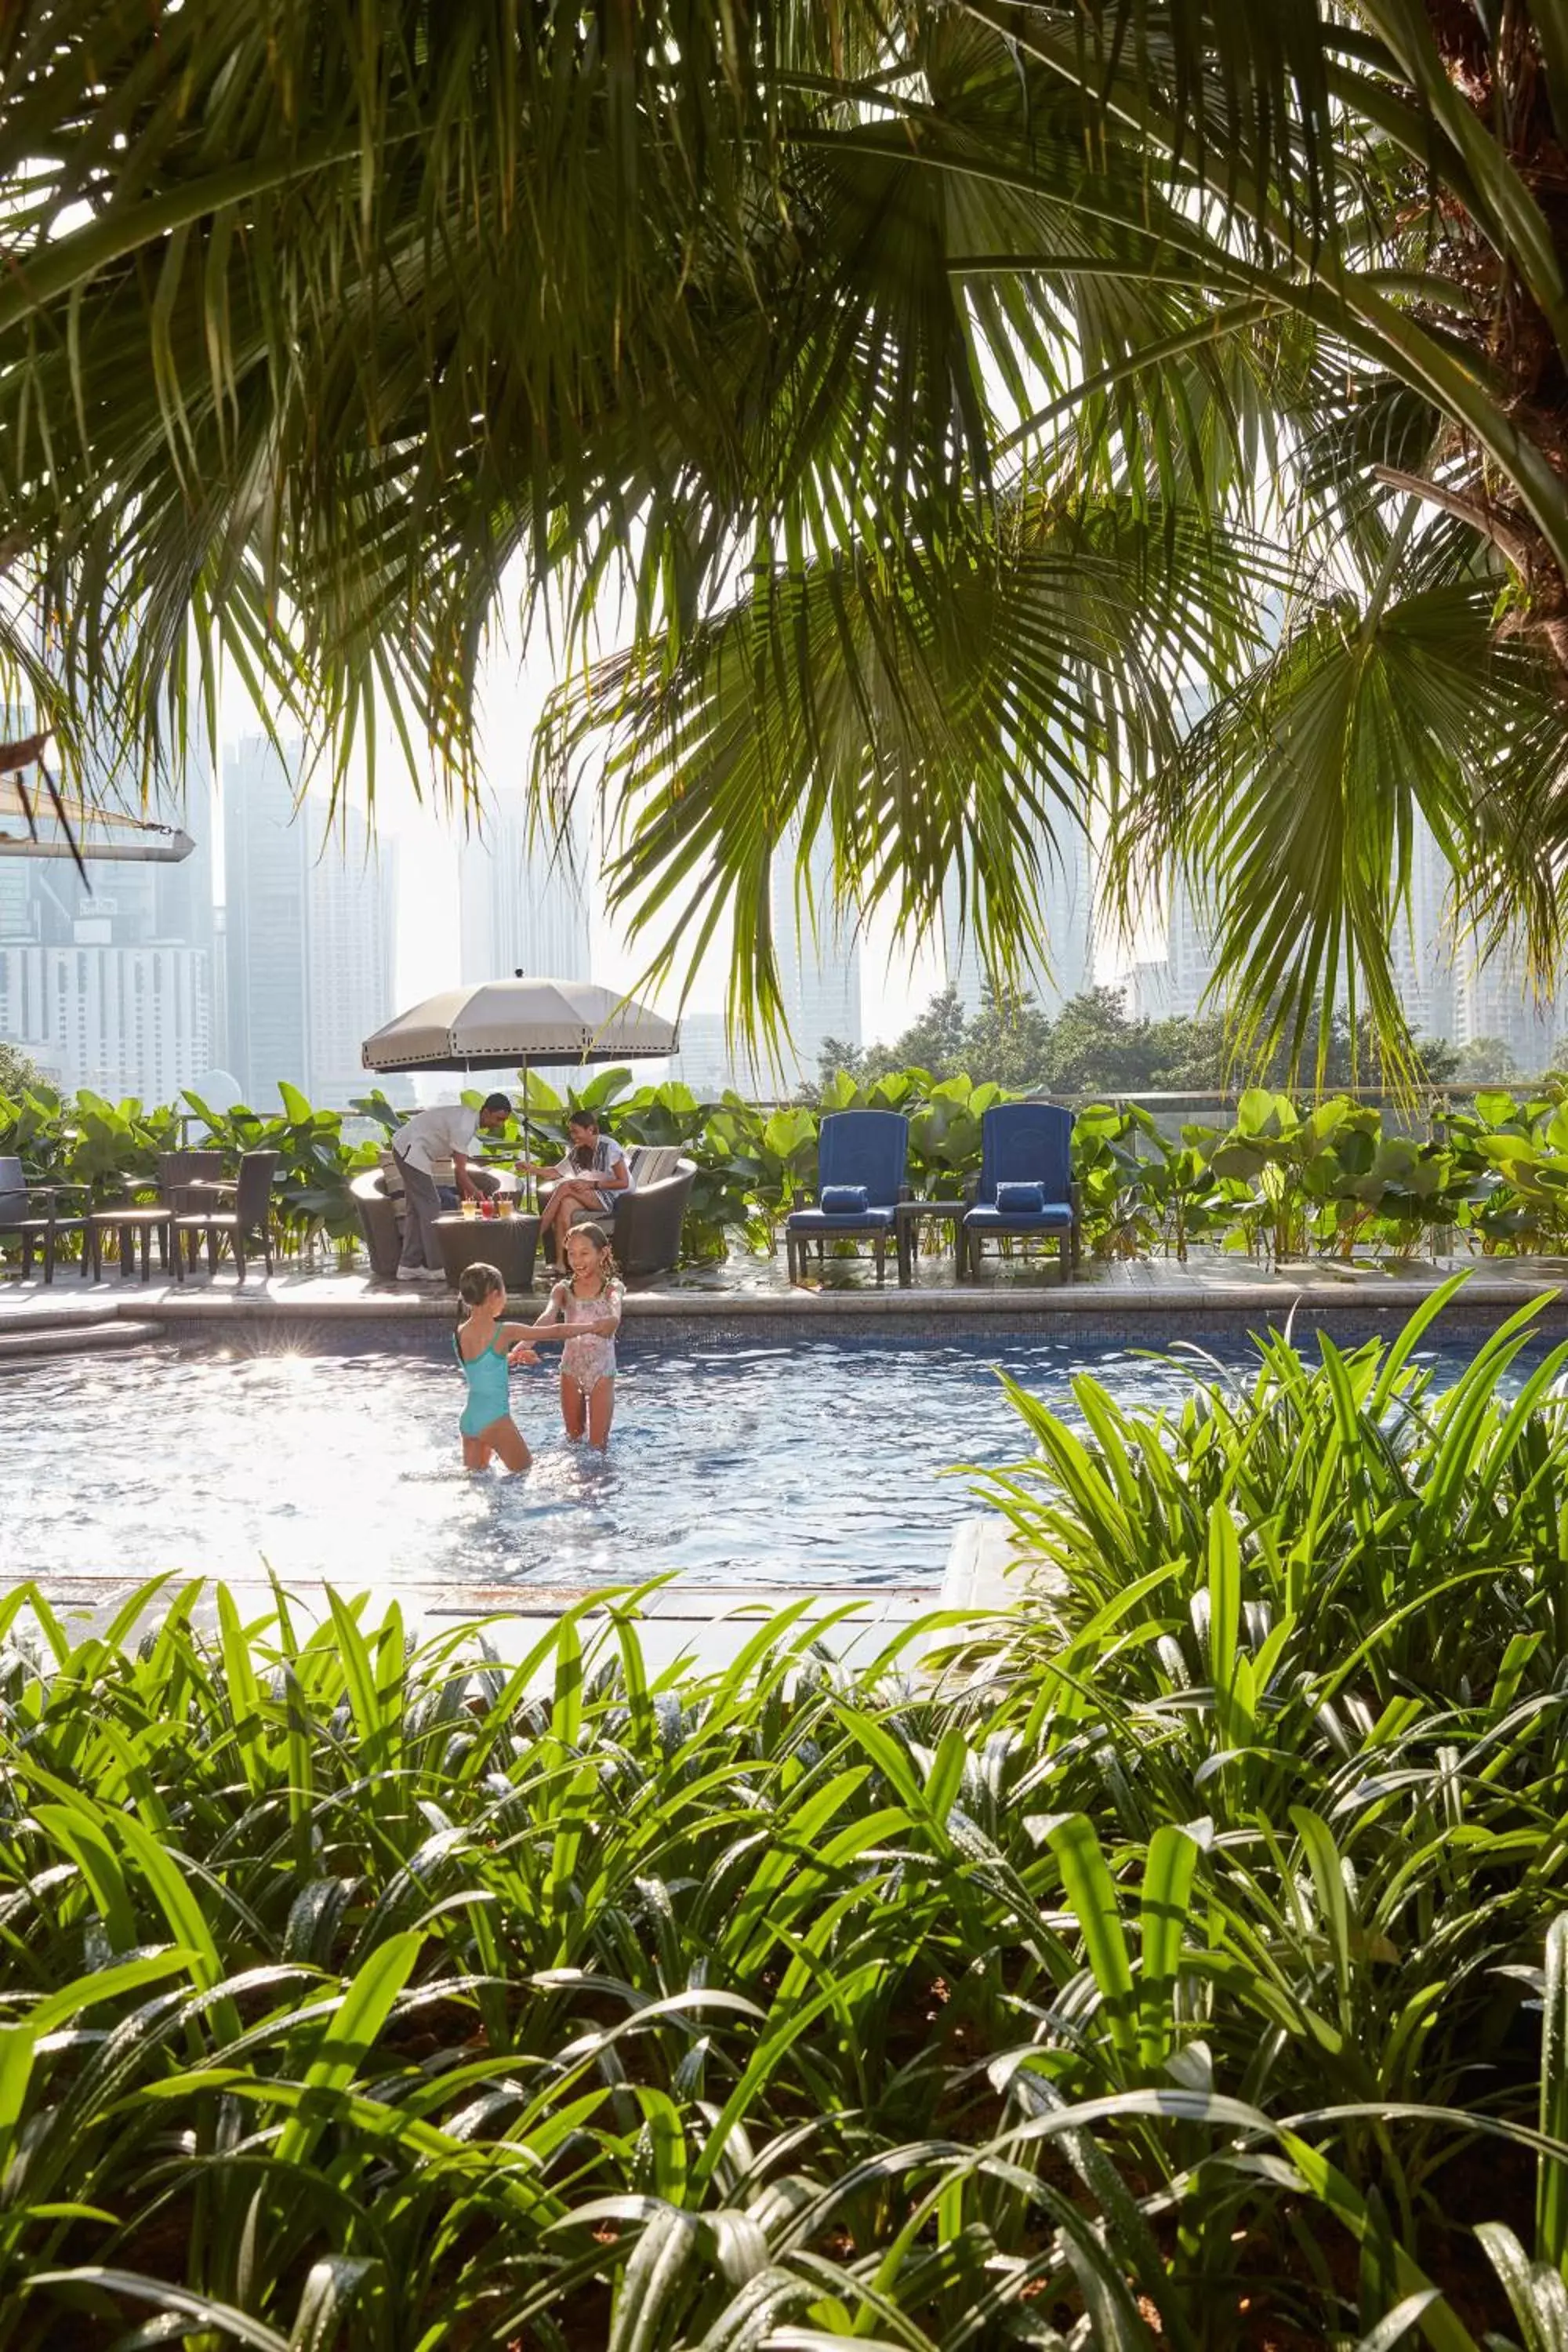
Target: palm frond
1293,806
944,723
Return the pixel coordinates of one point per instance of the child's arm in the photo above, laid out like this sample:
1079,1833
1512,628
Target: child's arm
515,1339
552,1324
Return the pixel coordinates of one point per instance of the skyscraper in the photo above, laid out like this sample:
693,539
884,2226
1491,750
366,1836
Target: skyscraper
309,933
1067,913
265,866
522,906
350,929
1426,968
1495,999
819,961
1189,953
15,898
705,1062
109,983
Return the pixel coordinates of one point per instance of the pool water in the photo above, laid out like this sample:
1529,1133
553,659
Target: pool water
818,1463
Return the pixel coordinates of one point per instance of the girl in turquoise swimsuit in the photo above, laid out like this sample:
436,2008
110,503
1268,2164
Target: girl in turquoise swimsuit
485,1346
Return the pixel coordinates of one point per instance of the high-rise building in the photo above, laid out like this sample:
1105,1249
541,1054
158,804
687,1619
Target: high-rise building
1496,998
118,1020
351,933
109,982
1067,920
705,1062
1425,966
819,962
15,898
1190,955
266,870
523,903
183,895
309,933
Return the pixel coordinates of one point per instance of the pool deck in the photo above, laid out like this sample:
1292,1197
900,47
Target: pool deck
1143,1296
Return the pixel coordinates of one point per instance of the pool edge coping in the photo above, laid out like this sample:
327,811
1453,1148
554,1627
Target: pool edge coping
1330,1295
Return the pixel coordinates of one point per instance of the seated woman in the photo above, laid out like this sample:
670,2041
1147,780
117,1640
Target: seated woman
586,1182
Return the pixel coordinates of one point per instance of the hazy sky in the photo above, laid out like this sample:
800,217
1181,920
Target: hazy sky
894,985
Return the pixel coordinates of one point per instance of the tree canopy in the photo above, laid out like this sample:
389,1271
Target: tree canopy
966,423
1094,1045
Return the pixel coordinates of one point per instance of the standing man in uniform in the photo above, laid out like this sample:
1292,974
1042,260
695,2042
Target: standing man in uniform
445,1132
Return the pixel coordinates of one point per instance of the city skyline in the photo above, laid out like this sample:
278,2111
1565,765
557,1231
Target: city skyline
308,931
141,982
1451,992
276,947
110,984
819,983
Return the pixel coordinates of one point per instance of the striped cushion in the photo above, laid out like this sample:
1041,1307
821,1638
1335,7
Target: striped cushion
652,1162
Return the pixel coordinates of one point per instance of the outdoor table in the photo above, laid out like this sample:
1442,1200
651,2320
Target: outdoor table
508,1243
907,1219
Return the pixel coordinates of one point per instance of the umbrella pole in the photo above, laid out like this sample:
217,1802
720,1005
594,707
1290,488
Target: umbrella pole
529,1197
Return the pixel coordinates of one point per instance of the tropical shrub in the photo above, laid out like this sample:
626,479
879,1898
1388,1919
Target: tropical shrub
316,1164
1284,1180
86,1139
1183,1961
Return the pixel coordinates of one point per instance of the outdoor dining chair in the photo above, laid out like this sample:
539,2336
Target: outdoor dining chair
150,1209
239,1213
32,1213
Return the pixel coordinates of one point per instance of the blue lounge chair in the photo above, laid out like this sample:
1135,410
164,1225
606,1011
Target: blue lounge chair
1024,1147
857,1151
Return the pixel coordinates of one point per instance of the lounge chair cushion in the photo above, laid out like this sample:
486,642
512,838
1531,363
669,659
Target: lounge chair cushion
1055,1216
651,1163
1020,1200
844,1200
817,1221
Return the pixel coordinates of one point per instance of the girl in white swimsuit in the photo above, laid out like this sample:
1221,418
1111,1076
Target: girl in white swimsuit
585,1313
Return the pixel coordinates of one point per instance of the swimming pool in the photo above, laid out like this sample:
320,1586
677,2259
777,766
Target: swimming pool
820,1463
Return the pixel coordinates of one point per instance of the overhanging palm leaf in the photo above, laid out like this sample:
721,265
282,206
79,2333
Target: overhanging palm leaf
314,337
1295,803
948,719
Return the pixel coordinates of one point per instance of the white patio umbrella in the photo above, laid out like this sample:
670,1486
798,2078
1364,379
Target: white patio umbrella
518,1024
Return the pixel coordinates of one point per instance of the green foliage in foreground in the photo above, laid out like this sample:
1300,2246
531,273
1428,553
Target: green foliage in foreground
1169,1968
